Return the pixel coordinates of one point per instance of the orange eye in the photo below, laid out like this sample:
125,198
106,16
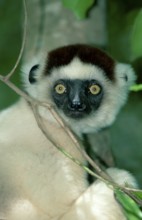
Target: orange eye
95,89
60,89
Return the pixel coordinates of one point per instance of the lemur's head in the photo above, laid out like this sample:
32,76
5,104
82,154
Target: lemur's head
86,86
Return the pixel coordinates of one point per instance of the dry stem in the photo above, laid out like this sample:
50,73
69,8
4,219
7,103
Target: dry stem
9,75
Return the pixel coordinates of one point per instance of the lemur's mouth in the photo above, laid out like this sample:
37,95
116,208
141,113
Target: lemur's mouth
77,114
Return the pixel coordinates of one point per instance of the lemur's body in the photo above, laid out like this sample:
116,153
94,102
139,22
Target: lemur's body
37,182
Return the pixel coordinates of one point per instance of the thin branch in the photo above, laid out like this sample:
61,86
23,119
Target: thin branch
34,103
110,183
101,175
75,141
16,89
50,108
9,75
41,125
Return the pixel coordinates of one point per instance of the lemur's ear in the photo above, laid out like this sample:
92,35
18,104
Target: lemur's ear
32,73
125,74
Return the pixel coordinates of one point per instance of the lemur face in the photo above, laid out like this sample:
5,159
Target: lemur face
84,83
77,98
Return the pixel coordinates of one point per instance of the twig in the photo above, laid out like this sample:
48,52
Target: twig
55,144
51,109
34,103
8,76
16,89
75,141
130,193
99,176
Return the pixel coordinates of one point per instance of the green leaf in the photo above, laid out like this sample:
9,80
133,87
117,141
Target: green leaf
136,88
131,209
136,38
79,7
138,195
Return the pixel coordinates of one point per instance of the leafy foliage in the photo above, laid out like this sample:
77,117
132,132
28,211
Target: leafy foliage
131,209
79,7
136,38
125,30
136,88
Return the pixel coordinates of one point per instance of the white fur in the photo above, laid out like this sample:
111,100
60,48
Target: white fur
115,93
123,178
37,182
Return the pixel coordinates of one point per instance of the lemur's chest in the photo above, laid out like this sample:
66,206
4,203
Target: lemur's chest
36,170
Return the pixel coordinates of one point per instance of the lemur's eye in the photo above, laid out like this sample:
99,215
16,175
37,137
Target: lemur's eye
94,89
60,88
